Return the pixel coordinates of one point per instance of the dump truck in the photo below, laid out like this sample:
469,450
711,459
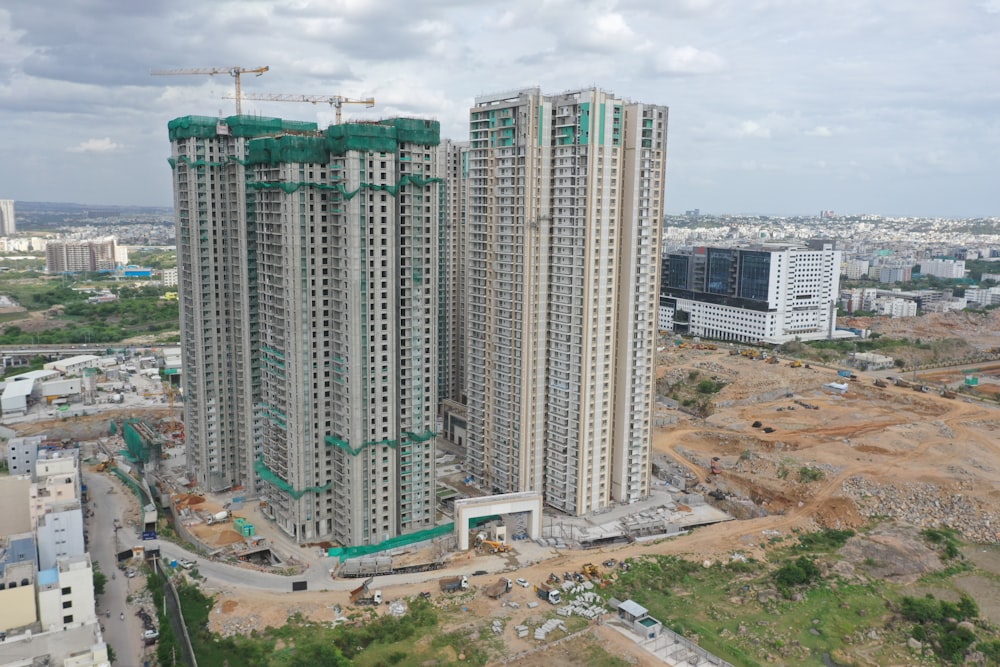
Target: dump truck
947,393
546,592
900,382
360,596
881,383
452,584
502,585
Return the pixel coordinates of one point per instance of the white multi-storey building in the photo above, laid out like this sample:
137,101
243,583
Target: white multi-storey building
770,293
897,307
943,268
327,246
855,269
565,212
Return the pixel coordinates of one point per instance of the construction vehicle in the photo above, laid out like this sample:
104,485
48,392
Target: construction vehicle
795,364
548,593
234,71
948,393
502,585
360,596
900,382
590,570
554,578
716,465
452,584
494,546
336,101
772,360
105,465
920,387
218,517
881,383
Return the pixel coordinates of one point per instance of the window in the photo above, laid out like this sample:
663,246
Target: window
68,619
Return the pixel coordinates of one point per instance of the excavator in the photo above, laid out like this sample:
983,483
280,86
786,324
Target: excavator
496,547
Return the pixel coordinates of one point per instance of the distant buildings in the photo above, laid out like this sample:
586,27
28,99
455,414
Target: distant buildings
773,293
7,224
564,230
943,268
81,256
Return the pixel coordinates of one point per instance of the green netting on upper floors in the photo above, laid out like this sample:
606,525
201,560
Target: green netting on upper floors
207,127
287,148
258,126
202,127
384,136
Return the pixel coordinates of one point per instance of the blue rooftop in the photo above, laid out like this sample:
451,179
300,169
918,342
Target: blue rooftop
46,577
19,550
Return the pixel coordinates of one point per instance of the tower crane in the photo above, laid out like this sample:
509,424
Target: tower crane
234,71
336,101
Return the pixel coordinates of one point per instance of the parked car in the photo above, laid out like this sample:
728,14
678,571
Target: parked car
131,572
186,564
522,582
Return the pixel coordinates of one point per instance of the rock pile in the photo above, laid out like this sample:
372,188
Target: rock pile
925,506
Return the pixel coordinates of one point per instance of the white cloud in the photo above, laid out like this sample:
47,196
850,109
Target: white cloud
688,60
820,131
751,128
103,145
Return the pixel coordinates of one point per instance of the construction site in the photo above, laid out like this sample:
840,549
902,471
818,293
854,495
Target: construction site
772,447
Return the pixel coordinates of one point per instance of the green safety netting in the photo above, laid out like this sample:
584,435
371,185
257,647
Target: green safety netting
206,127
272,478
343,553
289,187
202,127
140,439
287,148
382,137
408,436
256,126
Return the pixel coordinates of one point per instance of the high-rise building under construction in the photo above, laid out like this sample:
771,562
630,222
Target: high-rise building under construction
564,224
308,284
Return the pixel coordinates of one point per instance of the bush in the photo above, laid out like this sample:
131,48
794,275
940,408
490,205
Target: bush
810,474
798,572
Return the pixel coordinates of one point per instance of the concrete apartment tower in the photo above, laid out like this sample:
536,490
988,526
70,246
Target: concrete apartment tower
309,305
565,216
7,227
452,259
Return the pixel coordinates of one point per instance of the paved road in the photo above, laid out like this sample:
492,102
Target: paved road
108,503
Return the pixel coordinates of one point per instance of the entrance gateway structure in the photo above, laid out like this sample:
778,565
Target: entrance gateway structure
507,503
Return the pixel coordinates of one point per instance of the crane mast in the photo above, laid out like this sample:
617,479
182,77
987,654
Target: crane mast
234,71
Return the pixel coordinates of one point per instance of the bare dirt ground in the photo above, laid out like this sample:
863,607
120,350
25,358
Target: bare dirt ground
921,448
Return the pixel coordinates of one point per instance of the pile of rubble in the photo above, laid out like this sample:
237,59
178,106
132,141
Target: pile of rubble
240,626
925,506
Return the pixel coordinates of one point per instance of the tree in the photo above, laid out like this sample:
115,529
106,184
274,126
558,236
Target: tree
313,654
100,579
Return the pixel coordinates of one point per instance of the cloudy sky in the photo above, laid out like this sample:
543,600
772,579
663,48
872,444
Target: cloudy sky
776,106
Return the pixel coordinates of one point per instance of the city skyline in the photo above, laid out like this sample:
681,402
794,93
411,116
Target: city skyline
775,109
